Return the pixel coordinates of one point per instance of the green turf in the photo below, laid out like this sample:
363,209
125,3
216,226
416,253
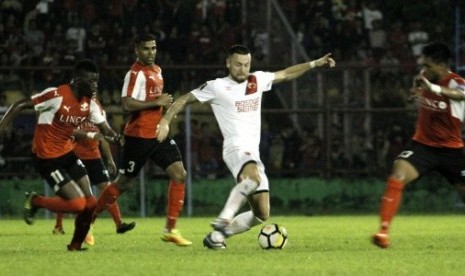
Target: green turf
328,245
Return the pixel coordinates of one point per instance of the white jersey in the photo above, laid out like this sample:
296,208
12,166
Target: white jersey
237,108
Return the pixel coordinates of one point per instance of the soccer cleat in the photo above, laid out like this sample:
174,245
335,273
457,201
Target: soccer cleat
381,240
221,225
175,236
72,248
124,227
211,244
58,230
90,238
29,210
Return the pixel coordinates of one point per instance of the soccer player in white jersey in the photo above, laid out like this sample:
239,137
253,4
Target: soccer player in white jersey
236,103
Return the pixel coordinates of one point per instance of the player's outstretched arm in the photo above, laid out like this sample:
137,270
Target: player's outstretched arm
130,104
163,127
454,94
109,134
13,111
298,70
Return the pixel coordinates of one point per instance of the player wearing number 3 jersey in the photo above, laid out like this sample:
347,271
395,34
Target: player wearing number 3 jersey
437,144
143,97
236,103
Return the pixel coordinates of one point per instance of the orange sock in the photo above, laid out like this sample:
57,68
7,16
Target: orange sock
113,209
175,203
59,220
107,197
390,202
58,204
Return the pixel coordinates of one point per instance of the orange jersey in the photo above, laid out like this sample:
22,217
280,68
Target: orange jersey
440,119
88,149
59,113
143,83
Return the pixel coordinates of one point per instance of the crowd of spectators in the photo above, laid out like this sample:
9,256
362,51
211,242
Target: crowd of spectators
55,33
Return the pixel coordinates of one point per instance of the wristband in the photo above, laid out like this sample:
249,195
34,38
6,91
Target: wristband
117,138
436,89
91,135
312,64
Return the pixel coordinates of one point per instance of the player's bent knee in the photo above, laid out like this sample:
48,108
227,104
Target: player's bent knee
77,204
91,202
179,177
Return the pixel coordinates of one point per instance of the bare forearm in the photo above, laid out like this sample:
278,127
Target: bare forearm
453,94
296,71
106,150
130,104
178,106
13,111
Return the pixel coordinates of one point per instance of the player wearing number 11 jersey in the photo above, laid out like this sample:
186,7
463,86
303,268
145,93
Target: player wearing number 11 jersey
59,112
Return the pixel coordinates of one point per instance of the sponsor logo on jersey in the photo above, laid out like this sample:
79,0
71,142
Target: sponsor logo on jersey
66,108
247,105
88,126
72,119
433,104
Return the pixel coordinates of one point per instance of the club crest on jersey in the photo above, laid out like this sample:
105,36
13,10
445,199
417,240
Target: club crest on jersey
251,85
84,106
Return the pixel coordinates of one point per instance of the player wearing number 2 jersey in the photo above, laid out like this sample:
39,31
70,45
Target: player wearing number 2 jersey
437,144
60,111
236,103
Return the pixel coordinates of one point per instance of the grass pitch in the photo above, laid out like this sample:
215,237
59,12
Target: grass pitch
319,245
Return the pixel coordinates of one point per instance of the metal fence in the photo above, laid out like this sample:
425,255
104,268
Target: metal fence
347,120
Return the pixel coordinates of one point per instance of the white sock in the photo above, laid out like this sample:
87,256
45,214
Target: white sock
243,222
217,236
237,198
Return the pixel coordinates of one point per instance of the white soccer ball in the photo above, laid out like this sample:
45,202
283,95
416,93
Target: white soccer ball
272,236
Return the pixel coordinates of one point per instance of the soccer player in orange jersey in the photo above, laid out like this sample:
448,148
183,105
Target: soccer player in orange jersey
89,151
143,98
437,143
60,111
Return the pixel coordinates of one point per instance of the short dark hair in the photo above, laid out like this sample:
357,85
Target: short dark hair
85,66
438,52
238,49
143,37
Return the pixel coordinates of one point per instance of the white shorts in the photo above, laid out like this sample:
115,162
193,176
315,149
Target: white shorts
236,159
